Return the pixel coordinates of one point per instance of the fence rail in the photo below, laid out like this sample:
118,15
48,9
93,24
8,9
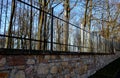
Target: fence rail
20,30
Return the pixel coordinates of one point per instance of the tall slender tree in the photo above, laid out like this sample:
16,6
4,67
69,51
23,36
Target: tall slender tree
66,26
89,25
108,19
8,43
40,25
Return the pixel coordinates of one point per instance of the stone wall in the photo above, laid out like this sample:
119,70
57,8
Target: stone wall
52,66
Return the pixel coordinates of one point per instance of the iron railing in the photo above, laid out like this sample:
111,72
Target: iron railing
24,32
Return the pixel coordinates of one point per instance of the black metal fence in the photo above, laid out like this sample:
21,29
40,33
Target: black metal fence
22,31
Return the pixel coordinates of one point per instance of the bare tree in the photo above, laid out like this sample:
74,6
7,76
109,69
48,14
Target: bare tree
40,26
66,27
89,26
8,43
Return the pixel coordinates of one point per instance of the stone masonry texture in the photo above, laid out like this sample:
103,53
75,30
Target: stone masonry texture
52,66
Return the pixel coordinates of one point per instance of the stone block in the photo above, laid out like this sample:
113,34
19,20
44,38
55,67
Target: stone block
20,67
12,73
60,69
20,74
53,57
42,76
62,57
30,61
2,61
42,69
54,70
49,76
47,57
64,63
16,60
29,69
83,69
40,58
1,56
3,75
67,76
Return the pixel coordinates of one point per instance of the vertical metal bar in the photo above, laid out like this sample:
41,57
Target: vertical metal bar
30,47
45,32
52,9
9,40
45,26
14,30
27,14
19,33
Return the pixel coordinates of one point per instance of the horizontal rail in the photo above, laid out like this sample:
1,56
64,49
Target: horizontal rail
41,52
40,41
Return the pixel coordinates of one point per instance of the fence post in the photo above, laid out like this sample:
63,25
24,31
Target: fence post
30,41
52,29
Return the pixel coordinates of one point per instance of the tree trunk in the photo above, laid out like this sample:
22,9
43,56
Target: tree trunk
66,28
8,43
58,36
108,17
40,26
83,26
89,26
